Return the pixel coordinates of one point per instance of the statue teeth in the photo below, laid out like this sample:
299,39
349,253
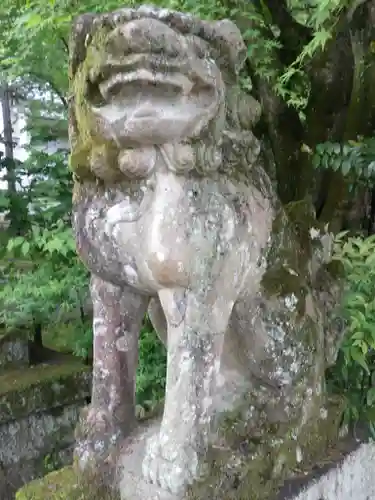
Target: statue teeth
140,76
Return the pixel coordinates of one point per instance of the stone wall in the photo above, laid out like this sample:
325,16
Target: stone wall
14,349
39,408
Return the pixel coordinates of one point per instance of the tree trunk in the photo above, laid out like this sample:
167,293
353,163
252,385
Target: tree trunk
8,138
18,213
340,107
9,156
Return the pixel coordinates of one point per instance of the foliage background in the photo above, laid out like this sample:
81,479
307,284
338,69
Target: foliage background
310,64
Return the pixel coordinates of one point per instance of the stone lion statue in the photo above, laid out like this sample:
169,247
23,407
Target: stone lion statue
175,215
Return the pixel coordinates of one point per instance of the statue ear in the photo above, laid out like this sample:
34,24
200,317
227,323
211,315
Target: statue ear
82,28
226,38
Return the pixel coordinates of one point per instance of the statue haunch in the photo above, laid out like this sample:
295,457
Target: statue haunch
174,215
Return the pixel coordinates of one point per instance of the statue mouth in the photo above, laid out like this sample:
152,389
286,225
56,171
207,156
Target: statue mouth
145,82
174,96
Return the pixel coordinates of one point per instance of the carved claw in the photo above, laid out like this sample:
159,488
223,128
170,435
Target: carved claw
121,212
170,466
128,211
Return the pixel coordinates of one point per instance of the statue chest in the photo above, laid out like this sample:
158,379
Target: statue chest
188,225
181,226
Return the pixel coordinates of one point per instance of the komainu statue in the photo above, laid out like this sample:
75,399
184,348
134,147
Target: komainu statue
174,214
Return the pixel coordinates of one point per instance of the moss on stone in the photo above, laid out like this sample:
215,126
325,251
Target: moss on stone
42,387
255,464
285,273
86,142
65,484
290,253
15,474
55,486
13,333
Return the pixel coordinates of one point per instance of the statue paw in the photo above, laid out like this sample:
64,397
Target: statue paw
169,464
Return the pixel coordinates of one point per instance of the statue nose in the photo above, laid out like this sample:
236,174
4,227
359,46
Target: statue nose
146,36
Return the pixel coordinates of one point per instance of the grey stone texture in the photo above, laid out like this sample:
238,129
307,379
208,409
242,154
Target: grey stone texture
14,349
39,410
174,214
350,477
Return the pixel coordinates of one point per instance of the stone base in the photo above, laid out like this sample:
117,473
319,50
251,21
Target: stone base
350,477
132,485
345,473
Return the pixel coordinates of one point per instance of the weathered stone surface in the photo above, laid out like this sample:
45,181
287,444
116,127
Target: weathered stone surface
24,471
346,475
39,410
42,387
174,213
14,349
353,478
248,474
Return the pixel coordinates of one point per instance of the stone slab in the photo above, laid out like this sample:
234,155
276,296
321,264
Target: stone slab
42,387
353,479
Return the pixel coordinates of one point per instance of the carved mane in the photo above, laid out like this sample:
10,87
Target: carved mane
227,145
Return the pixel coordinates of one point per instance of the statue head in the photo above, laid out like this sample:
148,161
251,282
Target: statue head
150,79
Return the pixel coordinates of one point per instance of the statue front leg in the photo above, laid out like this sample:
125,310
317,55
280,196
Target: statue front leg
118,313
196,327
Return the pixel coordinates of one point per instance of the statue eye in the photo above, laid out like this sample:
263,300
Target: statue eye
93,94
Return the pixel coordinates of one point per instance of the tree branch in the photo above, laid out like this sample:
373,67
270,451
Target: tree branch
45,80
293,35
65,44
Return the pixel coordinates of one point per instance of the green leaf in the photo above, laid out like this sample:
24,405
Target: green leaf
337,148
371,169
346,166
336,164
316,161
325,161
4,201
370,397
25,248
359,358
358,336
15,243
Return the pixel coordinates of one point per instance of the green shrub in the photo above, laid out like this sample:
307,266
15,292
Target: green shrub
151,368
354,372
76,337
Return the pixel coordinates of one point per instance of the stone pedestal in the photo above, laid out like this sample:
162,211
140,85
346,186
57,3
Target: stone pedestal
344,474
